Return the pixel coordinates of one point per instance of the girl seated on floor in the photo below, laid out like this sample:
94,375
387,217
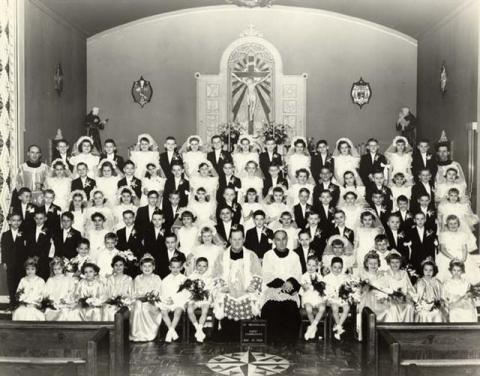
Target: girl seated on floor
313,296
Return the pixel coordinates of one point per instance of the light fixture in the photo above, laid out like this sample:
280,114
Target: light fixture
251,3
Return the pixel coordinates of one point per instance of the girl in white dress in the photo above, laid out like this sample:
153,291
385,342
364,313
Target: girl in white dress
84,151
144,152
460,305
206,178
145,317
462,209
346,158
400,187
30,292
202,207
245,152
192,155
350,185
207,248
276,205
78,204
251,179
352,209
251,205
152,182
98,204
313,302
60,289
60,182
429,293
399,157
456,245
126,201
396,279
96,235
452,180
302,181
118,285
187,234
333,281
107,181
90,294
365,233
298,157
287,224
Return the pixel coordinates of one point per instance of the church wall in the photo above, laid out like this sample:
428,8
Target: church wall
454,41
49,40
332,49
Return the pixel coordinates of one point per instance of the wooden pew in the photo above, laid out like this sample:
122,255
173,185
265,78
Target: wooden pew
118,331
440,351
417,332
37,349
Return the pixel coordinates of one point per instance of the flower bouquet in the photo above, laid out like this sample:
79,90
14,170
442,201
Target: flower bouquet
196,288
230,132
279,132
474,291
397,296
19,298
318,286
348,292
412,273
118,301
88,301
151,297
47,303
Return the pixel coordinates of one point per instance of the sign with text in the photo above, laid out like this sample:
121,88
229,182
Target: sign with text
253,332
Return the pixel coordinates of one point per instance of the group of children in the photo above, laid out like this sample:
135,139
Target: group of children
105,232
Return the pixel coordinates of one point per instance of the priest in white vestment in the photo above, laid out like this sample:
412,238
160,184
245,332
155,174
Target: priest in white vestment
282,272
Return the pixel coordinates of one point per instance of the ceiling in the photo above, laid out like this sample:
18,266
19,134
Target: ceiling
411,17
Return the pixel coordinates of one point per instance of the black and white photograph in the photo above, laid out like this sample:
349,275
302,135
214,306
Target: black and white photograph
239,187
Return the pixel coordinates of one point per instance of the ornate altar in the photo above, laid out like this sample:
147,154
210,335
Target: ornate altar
251,90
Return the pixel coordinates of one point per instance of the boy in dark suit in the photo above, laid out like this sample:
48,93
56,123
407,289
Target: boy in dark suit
83,182
130,180
39,243
339,227
324,207
170,156
425,207
66,239
422,159
259,239
51,210
176,182
153,238
301,210
318,236
423,186
170,251
230,199
371,161
273,179
325,184
381,209
225,224
110,153
171,210
320,160
423,242
396,236
403,212
24,208
269,156
14,254
129,237
218,157
227,180
304,250
143,219
378,185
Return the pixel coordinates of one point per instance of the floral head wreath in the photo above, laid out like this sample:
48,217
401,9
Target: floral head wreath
94,192
153,143
347,246
452,168
298,138
429,259
195,137
78,192
83,139
59,160
147,257
103,161
394,254
123,189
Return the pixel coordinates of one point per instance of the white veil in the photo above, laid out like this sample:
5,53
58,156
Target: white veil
153,143
347,246
76,146
51,172
376,221
353,149
186,145
255,146
291,150
392,149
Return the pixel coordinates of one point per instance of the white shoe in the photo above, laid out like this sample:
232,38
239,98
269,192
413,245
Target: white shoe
337,336
168,337
335,328
311,332
340,331
174,335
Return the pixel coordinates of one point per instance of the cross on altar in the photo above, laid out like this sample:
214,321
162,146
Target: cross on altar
250,78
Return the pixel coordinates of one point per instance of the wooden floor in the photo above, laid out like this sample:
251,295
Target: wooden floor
178,359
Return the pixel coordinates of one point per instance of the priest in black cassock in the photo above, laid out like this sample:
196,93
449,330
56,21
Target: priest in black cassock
282,272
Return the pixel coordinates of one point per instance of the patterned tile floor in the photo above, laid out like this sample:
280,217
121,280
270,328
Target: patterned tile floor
178,359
